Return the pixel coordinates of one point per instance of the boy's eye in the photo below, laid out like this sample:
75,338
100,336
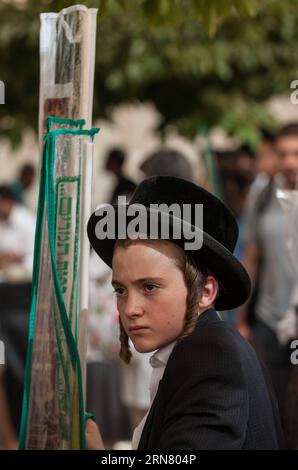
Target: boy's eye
150,287
119,291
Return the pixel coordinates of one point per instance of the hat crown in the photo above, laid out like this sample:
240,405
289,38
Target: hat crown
218,221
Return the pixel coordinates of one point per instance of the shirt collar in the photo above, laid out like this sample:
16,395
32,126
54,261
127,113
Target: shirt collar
161,356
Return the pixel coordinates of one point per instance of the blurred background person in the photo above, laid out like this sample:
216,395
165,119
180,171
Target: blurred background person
236,172
124,186
17,231
266,260
267,167
167,162
24,183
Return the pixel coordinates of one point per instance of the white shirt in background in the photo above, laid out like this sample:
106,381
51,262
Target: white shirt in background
17,234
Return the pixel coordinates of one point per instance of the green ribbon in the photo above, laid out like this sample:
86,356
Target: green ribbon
60,121
47,199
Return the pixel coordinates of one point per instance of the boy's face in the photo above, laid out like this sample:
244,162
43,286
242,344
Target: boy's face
268,159
151,292
6,206
287,147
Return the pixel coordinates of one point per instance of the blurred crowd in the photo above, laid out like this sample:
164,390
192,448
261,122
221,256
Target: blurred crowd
248,182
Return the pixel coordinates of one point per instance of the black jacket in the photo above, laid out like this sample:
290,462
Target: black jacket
214,394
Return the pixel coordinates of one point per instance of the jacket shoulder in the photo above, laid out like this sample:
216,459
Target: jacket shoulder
216,337
214,349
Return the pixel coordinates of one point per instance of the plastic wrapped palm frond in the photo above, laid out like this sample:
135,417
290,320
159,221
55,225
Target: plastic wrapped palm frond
53,408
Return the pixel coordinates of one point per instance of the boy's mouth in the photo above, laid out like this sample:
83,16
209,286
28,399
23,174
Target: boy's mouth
133,329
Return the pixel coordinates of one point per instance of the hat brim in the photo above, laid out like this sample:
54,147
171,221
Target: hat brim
234,281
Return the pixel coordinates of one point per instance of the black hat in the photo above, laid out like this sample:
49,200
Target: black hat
220,233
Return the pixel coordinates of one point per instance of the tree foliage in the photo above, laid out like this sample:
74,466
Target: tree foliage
202,62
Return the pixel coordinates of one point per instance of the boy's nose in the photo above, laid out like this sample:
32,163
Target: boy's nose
133,307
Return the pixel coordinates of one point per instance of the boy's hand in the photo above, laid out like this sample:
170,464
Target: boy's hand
93,437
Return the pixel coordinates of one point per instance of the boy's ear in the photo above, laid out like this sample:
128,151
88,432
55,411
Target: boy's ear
209,293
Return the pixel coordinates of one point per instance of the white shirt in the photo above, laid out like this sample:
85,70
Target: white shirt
158,363
17,234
